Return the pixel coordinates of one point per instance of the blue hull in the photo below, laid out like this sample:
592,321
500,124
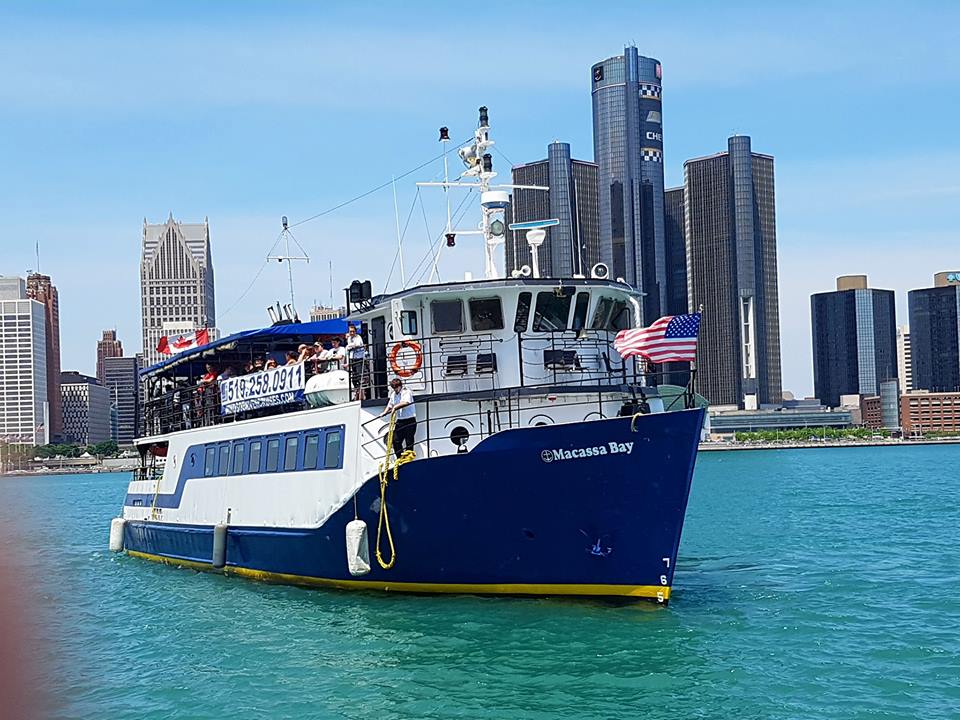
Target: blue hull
562,509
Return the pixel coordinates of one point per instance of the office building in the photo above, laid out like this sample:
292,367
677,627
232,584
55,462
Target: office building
731,242
86,409
572,247
854,339
107,347
676,252
176,282
320,312
121,378
904,360
935,334
628,150
24,407
923,413
40,288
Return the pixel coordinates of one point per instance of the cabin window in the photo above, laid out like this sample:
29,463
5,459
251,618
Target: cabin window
447,316
485,314
290,453
311,449
580,311
408,322
255,456
224,465
239,450
552,311
601,315
331,456
209,462
273,454
523,312
620,318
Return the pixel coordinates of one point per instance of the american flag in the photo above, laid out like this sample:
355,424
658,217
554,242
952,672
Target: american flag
670,339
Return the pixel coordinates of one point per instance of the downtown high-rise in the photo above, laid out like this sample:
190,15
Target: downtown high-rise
730,230
42,289
628,150
24,406
107,347
176,282
573,246
854,340
935,334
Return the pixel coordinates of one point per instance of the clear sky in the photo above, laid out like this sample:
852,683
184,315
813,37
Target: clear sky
115,111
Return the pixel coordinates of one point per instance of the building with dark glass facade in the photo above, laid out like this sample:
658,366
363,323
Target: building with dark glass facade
935,334
628,149
572,247
731,241
676,252
854,340
120,377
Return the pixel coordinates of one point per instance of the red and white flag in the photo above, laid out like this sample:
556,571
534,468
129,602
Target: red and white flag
169,346
670,339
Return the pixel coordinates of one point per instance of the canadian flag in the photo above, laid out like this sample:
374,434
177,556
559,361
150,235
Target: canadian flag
183,342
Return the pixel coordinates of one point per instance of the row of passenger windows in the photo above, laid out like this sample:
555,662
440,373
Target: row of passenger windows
308,450
551,313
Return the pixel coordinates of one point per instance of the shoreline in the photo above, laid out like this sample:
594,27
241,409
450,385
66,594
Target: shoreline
808,444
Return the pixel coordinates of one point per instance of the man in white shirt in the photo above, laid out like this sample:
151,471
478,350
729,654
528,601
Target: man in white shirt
400,401
356,357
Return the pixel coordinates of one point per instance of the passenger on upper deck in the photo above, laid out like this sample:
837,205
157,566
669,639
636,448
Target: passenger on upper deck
335,355
356,355
291,358
270,364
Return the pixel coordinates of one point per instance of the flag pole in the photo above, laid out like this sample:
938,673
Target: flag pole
691,382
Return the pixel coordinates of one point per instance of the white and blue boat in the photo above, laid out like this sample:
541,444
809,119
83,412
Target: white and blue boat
544,465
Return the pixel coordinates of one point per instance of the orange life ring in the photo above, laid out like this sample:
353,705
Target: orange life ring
406,372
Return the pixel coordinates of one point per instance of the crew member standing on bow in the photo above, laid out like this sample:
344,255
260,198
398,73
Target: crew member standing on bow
400,401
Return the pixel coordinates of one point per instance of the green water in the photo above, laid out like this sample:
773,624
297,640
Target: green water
811,584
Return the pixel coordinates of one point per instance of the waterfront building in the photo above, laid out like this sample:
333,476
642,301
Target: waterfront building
628,149
176,281
24,406
86,409
904,359
723,422
41,289
854,339
923,412
935,334
572,247
321,312
121,378
731,243
883,410
107,347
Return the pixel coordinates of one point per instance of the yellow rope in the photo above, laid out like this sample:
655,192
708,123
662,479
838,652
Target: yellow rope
384,520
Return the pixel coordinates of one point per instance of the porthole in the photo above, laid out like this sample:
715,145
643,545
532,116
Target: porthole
459,437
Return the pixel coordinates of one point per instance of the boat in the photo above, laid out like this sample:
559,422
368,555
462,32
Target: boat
543,464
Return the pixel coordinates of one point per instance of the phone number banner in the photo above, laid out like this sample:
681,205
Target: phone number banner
278,386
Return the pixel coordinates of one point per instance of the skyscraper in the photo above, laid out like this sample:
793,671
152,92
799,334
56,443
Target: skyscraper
121,379
730,228
572,247
676,252
40,288
628,149
107,347
935,334
176,282
86,409
904,359
854,340
24,409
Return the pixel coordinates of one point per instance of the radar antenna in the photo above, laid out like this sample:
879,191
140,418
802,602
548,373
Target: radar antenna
286,257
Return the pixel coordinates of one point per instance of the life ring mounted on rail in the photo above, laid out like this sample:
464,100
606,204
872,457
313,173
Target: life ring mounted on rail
406,371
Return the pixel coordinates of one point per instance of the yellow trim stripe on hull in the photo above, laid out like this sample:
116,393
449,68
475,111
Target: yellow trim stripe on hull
652,592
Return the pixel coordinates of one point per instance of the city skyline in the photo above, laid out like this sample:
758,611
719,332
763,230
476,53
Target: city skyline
833,195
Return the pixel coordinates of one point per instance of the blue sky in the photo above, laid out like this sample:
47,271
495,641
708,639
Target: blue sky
243,112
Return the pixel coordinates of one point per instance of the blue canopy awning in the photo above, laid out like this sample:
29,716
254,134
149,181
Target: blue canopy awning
292,333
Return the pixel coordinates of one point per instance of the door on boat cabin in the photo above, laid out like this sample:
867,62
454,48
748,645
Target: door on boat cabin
378,356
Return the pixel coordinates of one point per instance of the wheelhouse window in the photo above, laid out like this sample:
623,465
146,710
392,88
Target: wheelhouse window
273,454
601,316
290,453
447,316
209,462
523,312
551,312
485,314
311,449
331,455
224,465
239,450
620,316
408,322
580,311
255,456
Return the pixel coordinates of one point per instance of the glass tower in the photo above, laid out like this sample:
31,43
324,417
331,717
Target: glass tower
731,240
935,338
628,149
